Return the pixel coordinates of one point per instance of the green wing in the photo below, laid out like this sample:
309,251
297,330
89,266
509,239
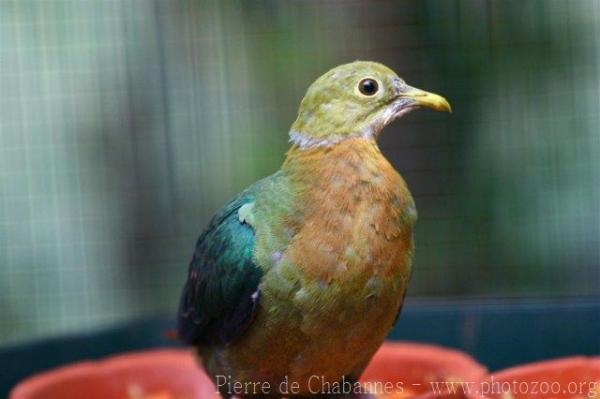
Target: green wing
221,294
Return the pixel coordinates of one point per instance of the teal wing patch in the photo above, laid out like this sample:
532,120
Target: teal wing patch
221,294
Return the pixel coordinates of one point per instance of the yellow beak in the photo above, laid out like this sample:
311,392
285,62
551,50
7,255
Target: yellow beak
426,99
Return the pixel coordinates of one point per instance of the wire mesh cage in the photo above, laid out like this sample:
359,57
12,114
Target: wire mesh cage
125,125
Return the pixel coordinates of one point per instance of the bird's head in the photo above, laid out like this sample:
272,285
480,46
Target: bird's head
356,99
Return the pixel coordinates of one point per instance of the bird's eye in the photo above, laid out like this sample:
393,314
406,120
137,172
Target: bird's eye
368,86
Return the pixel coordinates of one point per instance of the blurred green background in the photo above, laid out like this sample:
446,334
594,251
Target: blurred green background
125,124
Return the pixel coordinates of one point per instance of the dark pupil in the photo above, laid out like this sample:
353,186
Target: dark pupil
368,87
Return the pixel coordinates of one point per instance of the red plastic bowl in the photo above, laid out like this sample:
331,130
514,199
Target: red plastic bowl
174,374
572,377
424,370
153,373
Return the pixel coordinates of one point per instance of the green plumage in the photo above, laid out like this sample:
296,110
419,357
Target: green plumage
217,302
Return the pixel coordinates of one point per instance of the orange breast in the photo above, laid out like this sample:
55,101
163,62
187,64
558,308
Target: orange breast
358,216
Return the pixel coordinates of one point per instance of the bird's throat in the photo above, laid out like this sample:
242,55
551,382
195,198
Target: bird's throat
344,166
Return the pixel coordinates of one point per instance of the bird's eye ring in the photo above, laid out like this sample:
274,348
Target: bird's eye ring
368,86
